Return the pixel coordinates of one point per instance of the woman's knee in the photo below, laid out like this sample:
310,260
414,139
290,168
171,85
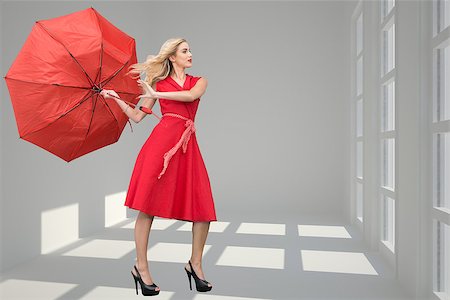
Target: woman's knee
146,215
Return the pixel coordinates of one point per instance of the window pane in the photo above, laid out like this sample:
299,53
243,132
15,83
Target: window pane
441,169
388,221
359,118
388,163
442,86
359,76
359,34
359,201
442,12
388,49
386,7
441,258
388,107
359,159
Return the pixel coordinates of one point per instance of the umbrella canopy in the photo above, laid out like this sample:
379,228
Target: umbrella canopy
55,80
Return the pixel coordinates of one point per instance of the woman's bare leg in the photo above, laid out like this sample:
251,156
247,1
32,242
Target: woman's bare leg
199,235
141,234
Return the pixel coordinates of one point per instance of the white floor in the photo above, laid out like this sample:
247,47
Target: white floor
286,258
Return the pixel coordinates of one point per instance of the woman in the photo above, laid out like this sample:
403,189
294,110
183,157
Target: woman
169,179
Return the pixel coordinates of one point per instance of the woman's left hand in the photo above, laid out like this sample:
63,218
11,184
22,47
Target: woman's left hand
149,92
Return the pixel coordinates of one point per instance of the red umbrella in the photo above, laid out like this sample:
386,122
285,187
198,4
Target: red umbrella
54,83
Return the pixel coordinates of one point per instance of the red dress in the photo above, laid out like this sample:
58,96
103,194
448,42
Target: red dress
169,178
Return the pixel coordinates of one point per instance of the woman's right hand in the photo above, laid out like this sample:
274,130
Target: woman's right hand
105,93
149,92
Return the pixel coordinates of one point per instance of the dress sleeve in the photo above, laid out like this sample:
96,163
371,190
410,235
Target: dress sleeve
194,80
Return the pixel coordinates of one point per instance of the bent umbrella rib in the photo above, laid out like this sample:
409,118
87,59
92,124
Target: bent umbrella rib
89,126
99,74
78,63
88,94
46,83
110,110
114,74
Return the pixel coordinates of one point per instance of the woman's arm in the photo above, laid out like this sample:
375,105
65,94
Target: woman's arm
183,96
135,114
186,96
139,114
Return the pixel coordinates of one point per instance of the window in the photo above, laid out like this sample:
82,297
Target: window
359,76
441,170
386,7
359,201
358,104
388,48
441,13
387,163
359,118
388,235
388,107
441,259
387,127
441,107
440,148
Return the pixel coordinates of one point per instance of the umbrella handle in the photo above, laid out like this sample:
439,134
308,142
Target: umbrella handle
142,108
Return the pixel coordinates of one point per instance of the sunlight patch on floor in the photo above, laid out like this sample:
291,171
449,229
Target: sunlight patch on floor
111,293
172,252
329,231
262,228
114,249
336,262
59,227
31,289
252,257
219,297
115,211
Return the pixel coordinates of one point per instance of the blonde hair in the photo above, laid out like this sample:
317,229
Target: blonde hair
157,67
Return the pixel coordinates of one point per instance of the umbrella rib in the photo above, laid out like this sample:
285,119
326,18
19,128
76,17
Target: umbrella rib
45,83
99,74
71,86
113,75
110,110
102,84
90,121
87,75
89,126
78,104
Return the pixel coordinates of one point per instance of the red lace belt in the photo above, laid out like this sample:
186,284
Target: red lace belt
190,129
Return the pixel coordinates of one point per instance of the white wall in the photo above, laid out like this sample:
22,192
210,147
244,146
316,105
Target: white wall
273,126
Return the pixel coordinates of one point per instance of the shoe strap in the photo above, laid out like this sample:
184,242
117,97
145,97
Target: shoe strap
139,276
137,272
192,271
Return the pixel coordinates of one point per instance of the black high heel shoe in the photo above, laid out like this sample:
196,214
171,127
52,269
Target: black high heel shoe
146,289
200,284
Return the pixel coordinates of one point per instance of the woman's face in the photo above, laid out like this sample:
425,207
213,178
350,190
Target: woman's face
183,57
